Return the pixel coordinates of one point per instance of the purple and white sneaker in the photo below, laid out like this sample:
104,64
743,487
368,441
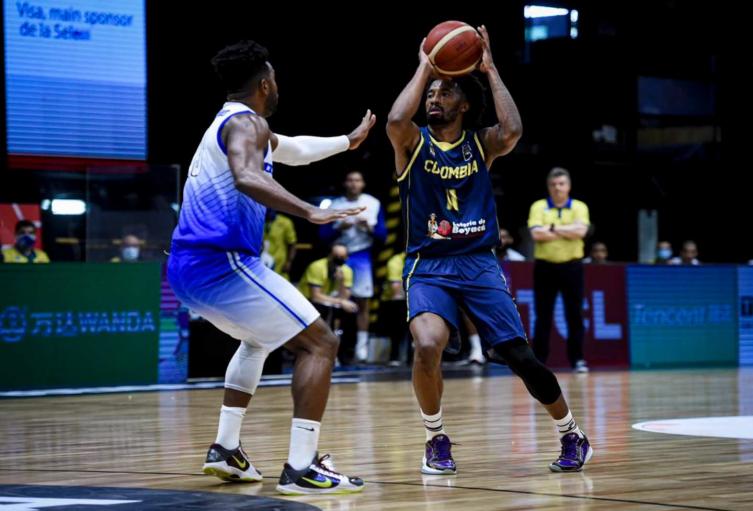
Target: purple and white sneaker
576,452
438,459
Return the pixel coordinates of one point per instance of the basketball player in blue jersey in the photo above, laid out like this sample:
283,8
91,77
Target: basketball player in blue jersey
215,268
443,176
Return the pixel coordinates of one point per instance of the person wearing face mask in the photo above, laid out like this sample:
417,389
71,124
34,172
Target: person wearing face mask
130,250
327,282
23,250
663,252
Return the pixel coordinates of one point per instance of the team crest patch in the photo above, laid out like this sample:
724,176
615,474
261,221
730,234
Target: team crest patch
467,153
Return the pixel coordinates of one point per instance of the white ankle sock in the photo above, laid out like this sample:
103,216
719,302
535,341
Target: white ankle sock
304,441
229,430
433,424
567,425
475,341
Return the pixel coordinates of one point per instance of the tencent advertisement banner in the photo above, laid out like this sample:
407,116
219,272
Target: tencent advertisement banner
70,324
605,342
683,315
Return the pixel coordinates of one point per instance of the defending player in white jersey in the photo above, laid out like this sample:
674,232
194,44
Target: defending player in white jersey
214,268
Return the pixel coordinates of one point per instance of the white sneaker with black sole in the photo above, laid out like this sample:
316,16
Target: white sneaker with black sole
318,478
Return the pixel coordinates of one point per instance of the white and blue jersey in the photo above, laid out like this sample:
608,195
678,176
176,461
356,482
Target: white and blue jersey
216,215
214,266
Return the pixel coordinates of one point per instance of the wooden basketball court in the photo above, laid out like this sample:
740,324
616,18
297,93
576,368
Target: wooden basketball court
505,441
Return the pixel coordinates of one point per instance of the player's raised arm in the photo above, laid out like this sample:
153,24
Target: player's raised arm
247,138
401,130
501,138
304,149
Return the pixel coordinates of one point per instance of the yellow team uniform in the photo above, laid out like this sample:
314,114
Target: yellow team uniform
317,275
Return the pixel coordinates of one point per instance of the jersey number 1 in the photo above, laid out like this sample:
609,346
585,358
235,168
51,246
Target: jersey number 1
452,200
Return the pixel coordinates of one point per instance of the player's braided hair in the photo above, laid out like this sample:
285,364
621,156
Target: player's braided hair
241,65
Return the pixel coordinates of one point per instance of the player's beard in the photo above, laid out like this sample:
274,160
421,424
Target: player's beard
447,117
271,104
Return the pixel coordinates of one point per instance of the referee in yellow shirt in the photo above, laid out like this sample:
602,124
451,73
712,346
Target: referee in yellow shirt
558,225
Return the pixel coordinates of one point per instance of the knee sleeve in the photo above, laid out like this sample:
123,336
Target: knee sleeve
538,379
244,370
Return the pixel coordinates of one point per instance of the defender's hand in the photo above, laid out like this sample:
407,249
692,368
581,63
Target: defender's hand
325,216
358,135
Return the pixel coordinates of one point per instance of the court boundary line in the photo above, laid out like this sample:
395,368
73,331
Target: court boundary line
397,483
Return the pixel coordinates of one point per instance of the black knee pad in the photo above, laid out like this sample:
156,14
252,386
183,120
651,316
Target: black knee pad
538,379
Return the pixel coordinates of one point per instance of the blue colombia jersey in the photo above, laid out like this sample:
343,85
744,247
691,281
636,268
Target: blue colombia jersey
447,200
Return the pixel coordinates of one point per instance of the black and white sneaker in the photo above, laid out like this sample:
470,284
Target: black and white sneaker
318,478
230,465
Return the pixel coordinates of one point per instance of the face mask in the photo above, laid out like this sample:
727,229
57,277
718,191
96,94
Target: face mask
664,253
26,241
130,253
338,261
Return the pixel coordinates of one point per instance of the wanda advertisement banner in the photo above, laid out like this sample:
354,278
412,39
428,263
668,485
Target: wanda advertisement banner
605,342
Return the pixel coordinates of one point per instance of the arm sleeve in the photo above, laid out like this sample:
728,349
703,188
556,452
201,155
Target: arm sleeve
347,276
304,149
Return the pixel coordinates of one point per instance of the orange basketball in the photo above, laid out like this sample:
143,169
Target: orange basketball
454,48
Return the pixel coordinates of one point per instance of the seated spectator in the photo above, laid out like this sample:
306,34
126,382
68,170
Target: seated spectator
663,252
598,254
23,250
505,251
327,282
130,250
688,254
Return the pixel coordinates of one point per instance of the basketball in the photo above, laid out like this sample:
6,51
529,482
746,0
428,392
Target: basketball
454,48
444,228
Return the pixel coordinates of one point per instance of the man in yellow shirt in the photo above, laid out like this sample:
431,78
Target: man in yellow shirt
280,242
327,282
23,251
558,225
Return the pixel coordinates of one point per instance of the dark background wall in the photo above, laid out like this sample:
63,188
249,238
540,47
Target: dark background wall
330,71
